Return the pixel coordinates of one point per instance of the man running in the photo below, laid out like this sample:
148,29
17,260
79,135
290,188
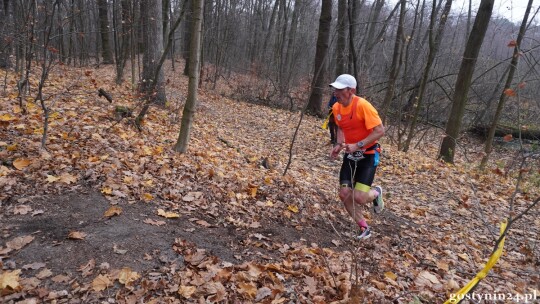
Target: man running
359,129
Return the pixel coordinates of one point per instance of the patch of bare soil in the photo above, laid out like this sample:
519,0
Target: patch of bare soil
126,240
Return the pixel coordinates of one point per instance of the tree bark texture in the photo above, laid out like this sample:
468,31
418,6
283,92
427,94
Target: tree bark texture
4,36
104,30
153,48
353,9
318,85
342,31
191,102
166,17
270,31
124,40
280,42
187,36
288,68
463,82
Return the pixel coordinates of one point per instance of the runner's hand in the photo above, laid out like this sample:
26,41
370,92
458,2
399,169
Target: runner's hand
335,151
350,148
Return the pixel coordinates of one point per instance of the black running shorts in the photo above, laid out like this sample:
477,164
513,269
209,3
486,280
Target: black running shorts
361,172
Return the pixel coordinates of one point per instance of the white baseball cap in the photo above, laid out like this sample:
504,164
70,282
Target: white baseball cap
344,81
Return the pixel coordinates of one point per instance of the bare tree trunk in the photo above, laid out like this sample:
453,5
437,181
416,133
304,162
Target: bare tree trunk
153,48
82,41
115,31
166,18
469,18
317,85
23,85
60,34
5,41
45,68
341,47
187,37
369,41
254,31
463,82
353,9
104,30
158,72
396,61
280,44
97,46
133,42
124,40
504,96
191,102
410,64
370,44
71,32
288,66
270,30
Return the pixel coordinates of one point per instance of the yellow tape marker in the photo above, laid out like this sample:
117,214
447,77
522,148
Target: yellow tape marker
460,295
325,124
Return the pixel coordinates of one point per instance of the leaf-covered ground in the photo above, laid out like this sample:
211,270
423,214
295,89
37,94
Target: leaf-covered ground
107,213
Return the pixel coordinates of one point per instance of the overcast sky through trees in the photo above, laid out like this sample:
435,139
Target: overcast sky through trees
510,9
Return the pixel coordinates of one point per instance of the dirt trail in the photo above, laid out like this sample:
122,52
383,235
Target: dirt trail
126,240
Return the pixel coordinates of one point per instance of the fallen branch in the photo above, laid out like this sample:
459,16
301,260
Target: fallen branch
102,92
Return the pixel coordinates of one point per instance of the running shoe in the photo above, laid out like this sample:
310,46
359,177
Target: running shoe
378,203
365,233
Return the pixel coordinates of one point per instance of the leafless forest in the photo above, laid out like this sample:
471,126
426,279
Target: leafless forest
407,55
103,83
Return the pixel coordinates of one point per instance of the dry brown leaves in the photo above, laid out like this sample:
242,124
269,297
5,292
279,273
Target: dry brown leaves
233,171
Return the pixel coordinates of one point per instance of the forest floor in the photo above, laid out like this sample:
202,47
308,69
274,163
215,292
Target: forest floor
109,214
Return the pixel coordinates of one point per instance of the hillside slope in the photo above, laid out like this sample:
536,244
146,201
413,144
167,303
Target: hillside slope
221,223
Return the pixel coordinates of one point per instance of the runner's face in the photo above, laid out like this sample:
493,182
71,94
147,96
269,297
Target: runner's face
343,95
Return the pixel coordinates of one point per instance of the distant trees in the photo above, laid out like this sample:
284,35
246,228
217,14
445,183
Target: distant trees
435,35
124,36
397,60
406,57
5,39
507,91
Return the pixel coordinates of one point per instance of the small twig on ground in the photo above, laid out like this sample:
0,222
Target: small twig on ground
401,295
328,267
